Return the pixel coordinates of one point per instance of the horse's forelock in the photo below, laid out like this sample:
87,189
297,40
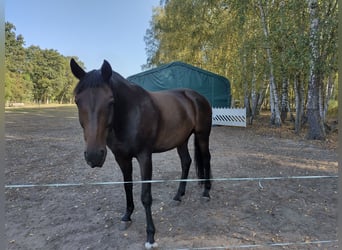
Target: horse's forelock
92,79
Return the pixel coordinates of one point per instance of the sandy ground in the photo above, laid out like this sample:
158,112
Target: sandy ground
45,146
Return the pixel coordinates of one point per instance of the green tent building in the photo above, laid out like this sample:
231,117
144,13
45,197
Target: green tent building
214,87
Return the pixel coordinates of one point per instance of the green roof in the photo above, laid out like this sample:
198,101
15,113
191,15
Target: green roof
214,87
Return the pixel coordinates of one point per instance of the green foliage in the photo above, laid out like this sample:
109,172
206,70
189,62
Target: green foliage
333,109
34,74
226,37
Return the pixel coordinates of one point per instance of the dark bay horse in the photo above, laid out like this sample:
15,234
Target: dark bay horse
133,122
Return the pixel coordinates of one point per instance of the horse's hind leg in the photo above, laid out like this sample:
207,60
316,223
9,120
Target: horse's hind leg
184,155
202,157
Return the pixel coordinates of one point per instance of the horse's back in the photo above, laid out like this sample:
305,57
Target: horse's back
182,112
202,108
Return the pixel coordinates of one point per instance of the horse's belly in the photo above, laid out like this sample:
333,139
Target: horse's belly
172,137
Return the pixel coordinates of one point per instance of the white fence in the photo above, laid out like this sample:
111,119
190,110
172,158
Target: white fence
229,117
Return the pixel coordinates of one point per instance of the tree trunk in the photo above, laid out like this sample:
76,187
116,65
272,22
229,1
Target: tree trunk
272,118
316,127
245,86
263,94
328,94
275,111
284,99
254,95
299,93
247,105
321,100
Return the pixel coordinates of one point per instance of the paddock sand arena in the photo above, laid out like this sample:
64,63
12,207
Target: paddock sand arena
45,146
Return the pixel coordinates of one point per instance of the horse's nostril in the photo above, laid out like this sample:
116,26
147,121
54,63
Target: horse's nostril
95,158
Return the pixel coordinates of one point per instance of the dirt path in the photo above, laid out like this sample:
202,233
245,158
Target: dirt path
45,146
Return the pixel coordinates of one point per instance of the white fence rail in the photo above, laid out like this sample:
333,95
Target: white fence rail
229,117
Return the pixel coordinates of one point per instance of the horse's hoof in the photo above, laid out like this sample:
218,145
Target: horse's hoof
148,245
124,225
177,198
175,203
205,199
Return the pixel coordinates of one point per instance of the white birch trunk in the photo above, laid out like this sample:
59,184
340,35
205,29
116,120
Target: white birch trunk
328,94
299,93
284,99
275,111
320,101
263,93
254,94
316,127
245,86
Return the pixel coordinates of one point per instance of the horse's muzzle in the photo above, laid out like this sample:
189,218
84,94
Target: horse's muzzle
95,158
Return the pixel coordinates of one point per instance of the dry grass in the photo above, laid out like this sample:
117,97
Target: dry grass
52,105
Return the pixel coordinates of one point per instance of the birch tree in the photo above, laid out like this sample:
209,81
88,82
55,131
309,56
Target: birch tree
316,126
274,99
265,48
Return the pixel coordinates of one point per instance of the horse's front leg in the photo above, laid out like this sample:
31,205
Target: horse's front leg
145,162
126,168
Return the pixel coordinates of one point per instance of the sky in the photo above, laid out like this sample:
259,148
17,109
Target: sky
92,30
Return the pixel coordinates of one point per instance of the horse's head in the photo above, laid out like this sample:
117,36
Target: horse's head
95,101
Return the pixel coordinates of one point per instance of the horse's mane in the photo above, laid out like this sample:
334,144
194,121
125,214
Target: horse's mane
93,79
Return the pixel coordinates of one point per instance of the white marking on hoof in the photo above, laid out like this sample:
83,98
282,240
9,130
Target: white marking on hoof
205,199
148,245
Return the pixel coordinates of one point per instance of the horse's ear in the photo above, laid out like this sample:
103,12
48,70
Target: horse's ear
76,69
106,71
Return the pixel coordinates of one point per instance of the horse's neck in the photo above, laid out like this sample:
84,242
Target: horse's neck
125,103
128,92
122,91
